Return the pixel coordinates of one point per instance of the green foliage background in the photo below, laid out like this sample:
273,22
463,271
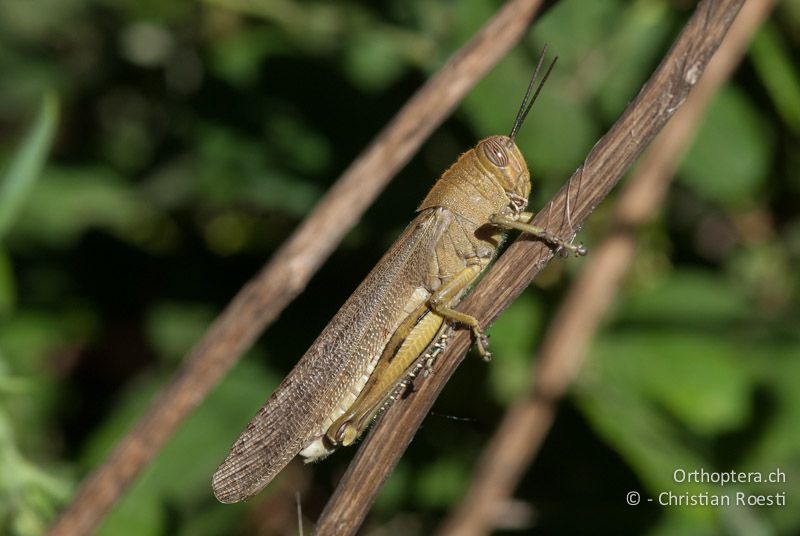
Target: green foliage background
154,154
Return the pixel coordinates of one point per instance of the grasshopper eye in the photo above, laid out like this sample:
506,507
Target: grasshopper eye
495,153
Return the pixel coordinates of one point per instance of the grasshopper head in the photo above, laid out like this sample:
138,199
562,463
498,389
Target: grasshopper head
503,160
501,157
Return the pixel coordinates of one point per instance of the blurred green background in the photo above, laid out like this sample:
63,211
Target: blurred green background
153,155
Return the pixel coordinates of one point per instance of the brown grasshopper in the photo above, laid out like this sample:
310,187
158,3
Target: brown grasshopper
396,322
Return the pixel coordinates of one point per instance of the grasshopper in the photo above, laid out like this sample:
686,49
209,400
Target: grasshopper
397,320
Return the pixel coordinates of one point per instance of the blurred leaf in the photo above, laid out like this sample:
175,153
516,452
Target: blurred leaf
639,432
140,514
684,522
229,232
512,343
296,144
377,54
729,160
674,371
394,492
779,73
27,164
7,285
574,28
628,384
129,132
311,26
278,191
234,169
778,365
181,473
766,270
688,367
67,202
34,344
173,328
713,302
374,60
37,20
442,483
29,337
29,495
238,57
659,397
631,53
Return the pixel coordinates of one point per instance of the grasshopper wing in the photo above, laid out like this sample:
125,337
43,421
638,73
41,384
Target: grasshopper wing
327,374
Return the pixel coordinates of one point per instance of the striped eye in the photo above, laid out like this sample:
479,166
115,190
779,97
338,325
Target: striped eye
495,153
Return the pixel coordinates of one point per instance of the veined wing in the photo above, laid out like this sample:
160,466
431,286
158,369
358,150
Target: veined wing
342,354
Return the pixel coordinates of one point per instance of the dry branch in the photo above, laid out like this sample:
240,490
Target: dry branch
525,425
260,301
660,97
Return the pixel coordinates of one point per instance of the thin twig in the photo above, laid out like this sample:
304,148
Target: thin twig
660,97
524,427
260,301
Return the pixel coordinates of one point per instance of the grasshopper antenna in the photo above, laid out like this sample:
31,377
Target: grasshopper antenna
527,101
